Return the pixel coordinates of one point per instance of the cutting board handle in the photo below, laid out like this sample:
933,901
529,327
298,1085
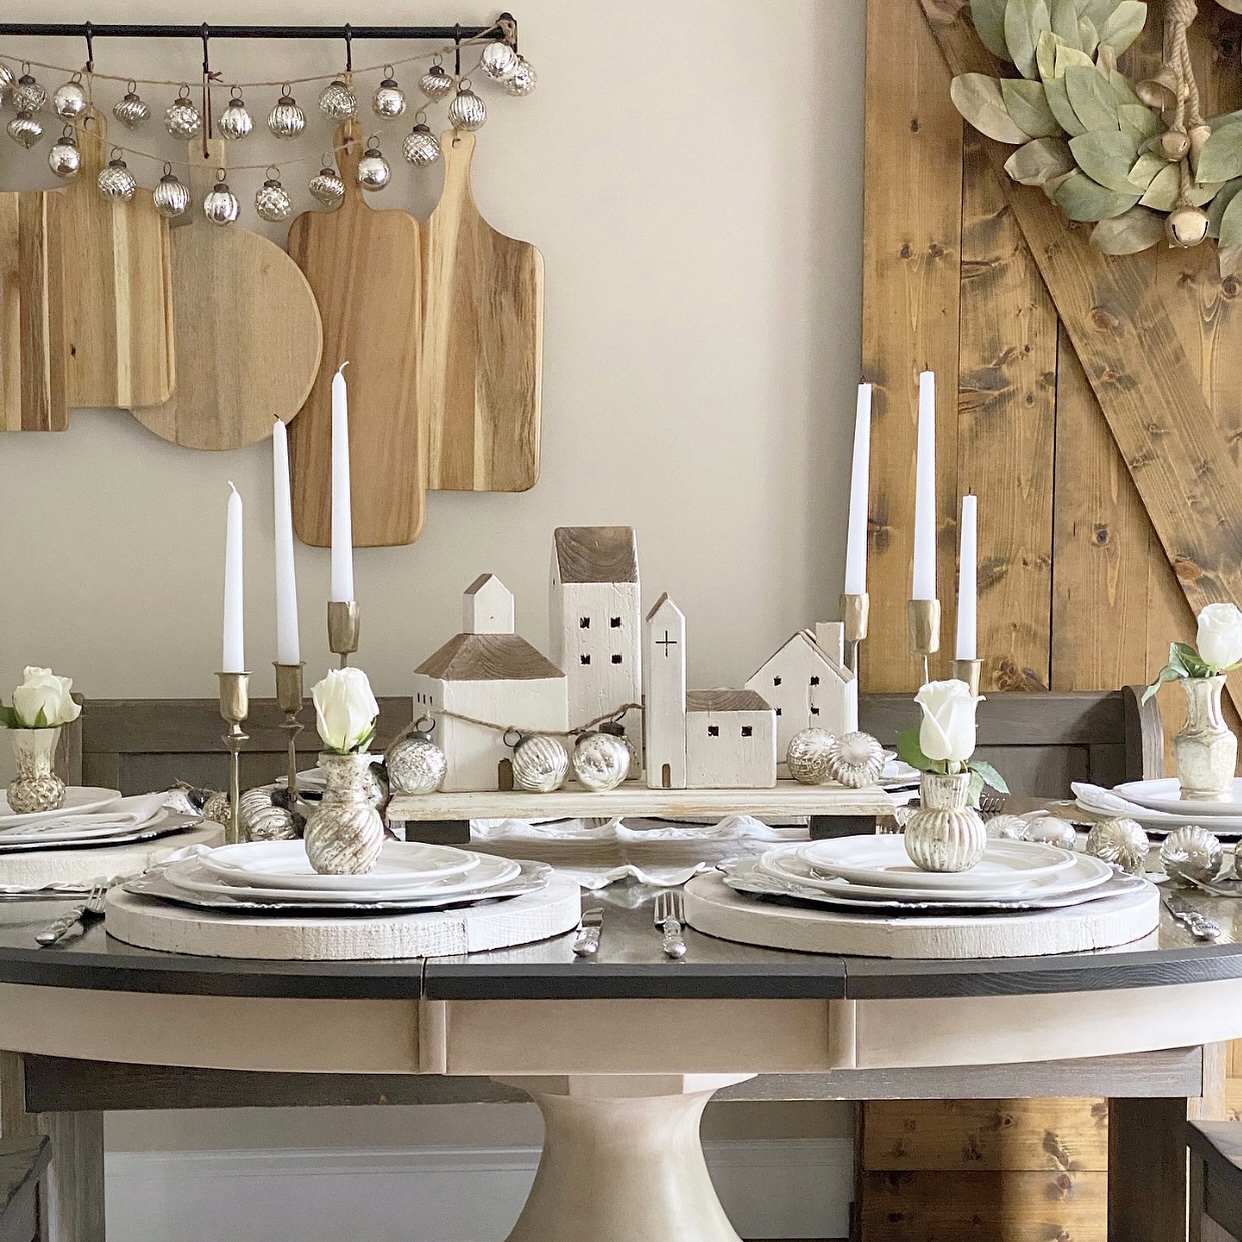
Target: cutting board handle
457,146
349,148
91,131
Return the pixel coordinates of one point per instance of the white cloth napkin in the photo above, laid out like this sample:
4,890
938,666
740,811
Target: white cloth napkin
124,814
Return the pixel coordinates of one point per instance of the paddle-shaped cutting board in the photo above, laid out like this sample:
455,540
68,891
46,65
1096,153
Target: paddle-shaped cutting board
482,342
364,267
118,304
246,325
32,327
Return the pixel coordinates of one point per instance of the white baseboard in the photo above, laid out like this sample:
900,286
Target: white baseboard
787,1188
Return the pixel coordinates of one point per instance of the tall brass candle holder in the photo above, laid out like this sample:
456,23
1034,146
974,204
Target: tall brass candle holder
968,671
343,623
289,699
234,708
923,626
854,611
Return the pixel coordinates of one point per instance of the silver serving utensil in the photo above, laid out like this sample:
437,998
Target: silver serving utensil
586,943
669,916
92,909
1195,921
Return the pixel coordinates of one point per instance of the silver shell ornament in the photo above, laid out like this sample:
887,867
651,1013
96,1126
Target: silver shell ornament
130,109
260,819
499,62
116,182
540,763
416,765
326,187
1121,841
856,760
235,121
1192,855
28,95
221,205
809,756
183,119
373,170
7,81
286,120
436,84
69,100
272,202
601,760
1052,830
171,196
389,99
64,159
467,111
337,102
1007,828
523,81
25,129
421,147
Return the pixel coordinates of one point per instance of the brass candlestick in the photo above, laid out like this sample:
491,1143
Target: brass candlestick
343,623
234,708
289,700
923,626
854,610
968,671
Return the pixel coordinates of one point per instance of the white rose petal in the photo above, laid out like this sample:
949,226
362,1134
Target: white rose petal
1220,636
947,731
345,709
42,691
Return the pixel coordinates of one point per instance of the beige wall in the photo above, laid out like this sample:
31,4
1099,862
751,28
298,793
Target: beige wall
693,175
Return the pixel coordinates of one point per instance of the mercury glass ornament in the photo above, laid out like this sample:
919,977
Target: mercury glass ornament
183,119
236,121
373,170
540,763
286,119
221,205
337,102
1007,828
945,833
272,202
171,197
1192,855
499,62
523,80
1121,841
856,760
116,182
130,110
1052,830
808,756
389,99
467,111
262,820
216,807
416,765
421,147
436,84
64,159
345,834
69,100
7,81
327,187
601,760
24,129
28,95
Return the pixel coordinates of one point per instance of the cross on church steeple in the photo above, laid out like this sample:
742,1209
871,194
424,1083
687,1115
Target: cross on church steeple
666,642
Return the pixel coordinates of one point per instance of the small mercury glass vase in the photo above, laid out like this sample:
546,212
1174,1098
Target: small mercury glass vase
345,833
36,787
945,833
1205,752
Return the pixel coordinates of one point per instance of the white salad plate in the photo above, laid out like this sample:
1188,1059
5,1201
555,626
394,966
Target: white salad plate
1165,795
883,861
79,799
284,864
162,825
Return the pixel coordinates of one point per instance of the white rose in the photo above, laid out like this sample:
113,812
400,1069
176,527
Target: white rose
345,709
1220,636
948,727
43,691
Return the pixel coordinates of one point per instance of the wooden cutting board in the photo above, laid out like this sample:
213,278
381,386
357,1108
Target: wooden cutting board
364,266
246,325
32,325
118,312
482,342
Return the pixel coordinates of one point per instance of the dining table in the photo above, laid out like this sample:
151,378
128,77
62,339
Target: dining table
622,1050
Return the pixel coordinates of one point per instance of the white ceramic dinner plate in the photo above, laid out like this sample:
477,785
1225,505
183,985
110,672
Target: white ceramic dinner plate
162,825
284,864
785,865
1165,795
79,799
883,861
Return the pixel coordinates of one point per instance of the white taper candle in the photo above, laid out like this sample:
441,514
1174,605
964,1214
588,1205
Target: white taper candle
967,578
234,655
923,584
860,473
342,520
288,650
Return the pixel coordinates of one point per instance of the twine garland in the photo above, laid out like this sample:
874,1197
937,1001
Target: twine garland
443,713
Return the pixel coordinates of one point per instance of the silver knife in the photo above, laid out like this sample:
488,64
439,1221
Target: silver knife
1195,921
586,943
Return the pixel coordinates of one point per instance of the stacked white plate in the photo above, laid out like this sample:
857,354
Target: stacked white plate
1158,806
90,817
874,873
276,876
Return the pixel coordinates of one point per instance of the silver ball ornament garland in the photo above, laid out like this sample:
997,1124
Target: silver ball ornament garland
69,99
235,121
25,129
183,119
416,765
326,186
130,110
271,200
286,120
171,196
467,111
116,182
64,159
1121,841
1191,854
373,169
28,95
7,82
221,205
337,102
601,760
421,147
523,81
388,101
540,763
436,84
499,62
809,756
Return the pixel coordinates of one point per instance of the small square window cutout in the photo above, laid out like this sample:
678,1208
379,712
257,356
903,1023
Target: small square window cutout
586,659
584,623
713,730
776,681
815,681
747,731
616,659
615,622
814,711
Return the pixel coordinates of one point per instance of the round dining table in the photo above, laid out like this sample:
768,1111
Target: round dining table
621,1051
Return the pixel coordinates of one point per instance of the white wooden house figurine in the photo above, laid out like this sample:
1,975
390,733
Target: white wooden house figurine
807,686
730,740
596,622
664,696
490,673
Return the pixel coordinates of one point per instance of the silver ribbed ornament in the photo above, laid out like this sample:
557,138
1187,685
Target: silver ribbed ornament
389,99
373,170
25,129
601,760
809,756
436,84
1007,828
286,119
28,95
7,81
856,760
235,121
1121,841
540,763
221,205
171,197
467,111
69,100
416,765
499,62
183,119
1192,855
326,187
262,820
421,147
64,159
116,182
337,102
272,202
523,80
1052,830
130,109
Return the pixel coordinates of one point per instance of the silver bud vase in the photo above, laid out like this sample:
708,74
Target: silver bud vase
945,833
1205,752
36,787
345,834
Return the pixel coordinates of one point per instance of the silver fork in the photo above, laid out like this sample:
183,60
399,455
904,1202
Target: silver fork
92,909
669,916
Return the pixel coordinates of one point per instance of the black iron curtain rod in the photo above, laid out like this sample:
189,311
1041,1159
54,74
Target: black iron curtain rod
121,31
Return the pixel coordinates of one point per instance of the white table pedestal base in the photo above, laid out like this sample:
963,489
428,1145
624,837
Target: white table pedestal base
622,1161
